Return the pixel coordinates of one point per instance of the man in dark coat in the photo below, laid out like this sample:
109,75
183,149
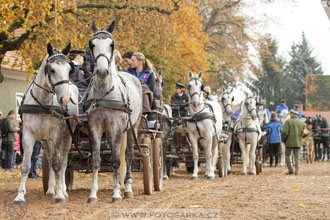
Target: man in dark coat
82,72
179,101
292,135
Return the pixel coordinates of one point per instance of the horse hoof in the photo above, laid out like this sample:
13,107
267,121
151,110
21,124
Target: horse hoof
229,172
91,200
194,178
116,200
244,173
50,195
19,202
165,177
60,200
128,194
252,173
210,177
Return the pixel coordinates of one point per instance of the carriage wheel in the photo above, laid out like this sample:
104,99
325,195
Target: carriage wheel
158,164
69,179
45,172
147,169
221,164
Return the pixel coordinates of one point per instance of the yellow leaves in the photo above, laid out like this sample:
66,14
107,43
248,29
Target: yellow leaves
301,205
296,189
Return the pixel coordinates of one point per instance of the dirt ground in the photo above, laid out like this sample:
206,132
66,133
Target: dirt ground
271,195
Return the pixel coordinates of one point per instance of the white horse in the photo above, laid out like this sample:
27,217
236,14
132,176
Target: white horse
205,125
263,121
42,109
284,116
248,133
225,101
114,106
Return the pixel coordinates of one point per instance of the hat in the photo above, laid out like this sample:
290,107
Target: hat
282,100
74,53
296,105
294,112
179,85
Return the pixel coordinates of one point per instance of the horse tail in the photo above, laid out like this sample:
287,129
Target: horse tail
122,168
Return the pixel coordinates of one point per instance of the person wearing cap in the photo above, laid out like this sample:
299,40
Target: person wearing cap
179,101
292,135
296,107
80,75
281,107
273,131
261,105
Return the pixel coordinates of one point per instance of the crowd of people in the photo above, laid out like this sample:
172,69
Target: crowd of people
12,149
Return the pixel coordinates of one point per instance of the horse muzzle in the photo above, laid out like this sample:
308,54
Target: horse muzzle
64,101
102,73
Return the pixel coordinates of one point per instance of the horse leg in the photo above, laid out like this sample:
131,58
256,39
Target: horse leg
228,153
66,145
243,154
215,152
129,153
116,197
282,150
28,141
194,146
95,137
252,153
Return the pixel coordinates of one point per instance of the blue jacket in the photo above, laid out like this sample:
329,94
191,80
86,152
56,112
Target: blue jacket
236,115
273,130
299,115
146,76
280,107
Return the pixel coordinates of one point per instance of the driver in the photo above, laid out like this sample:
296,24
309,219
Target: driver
179,101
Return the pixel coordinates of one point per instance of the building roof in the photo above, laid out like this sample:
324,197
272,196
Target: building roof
13,60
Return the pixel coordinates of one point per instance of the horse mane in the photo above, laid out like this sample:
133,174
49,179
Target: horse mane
41,70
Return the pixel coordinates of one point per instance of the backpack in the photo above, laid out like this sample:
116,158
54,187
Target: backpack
3,128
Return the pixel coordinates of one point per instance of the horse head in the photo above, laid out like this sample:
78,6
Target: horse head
226,100
284,116
250,105
101,46
195,90
57,69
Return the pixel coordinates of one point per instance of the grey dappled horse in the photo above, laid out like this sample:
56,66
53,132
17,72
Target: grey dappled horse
114,106
42,109
225,101
248,133
284,116
205,125
263,121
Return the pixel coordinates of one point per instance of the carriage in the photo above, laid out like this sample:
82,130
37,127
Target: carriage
147,156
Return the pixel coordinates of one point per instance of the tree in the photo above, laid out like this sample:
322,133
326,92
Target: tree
270,84
301,64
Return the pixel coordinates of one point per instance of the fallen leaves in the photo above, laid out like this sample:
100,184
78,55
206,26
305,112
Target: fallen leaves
301,205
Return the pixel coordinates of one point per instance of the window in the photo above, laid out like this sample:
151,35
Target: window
19,98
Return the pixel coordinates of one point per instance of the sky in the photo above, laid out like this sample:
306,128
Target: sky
286,20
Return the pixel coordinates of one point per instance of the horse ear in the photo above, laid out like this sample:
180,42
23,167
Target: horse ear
49,49
66,50
254,94
111,26
200,74
160,72
190,74
94,26
231,89
223,89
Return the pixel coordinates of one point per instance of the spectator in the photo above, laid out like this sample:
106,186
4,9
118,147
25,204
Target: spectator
273,131
9,139
118,58
281,107
80,75
296,107
292,137
127,58
237,114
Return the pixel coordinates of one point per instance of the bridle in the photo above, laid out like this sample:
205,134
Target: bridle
247,105
195,93
48,74
101,34
225,105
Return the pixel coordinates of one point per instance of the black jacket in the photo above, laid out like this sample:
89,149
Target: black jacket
182,101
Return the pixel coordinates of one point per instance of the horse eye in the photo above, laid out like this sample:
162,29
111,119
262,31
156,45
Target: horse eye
52,70
189,86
